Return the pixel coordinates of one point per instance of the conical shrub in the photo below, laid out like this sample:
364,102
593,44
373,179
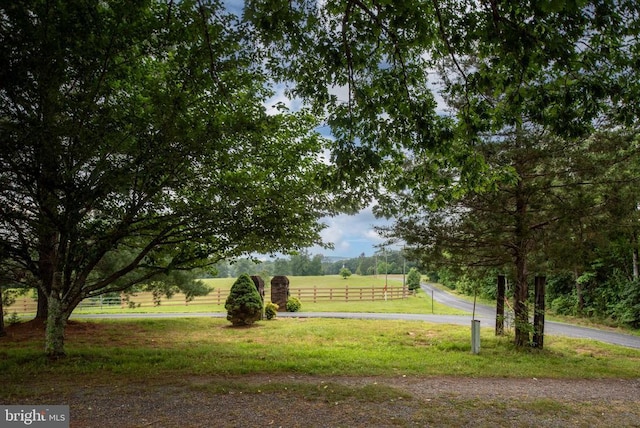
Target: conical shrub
244,305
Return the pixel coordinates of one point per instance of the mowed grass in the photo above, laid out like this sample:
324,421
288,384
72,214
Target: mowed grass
167,348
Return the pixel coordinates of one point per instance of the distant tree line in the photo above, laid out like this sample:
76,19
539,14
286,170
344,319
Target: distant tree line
306,264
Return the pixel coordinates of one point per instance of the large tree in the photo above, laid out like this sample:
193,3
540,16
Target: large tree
376,67
505,68
134,141
504,227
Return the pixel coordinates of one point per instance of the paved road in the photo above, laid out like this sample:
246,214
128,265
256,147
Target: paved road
484,313
487,315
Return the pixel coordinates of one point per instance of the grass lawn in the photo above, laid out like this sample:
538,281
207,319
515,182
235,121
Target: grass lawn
126,373
205,346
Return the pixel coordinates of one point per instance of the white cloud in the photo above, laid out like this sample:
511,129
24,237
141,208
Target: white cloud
352,235
279,97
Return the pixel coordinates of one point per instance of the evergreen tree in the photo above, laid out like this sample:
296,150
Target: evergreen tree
244,305
282,267
413,279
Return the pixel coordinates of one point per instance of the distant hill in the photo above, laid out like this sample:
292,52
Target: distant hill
333,259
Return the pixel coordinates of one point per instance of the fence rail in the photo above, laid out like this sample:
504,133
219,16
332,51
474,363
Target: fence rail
346,294
27,305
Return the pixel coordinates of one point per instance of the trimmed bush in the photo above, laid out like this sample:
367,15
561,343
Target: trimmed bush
244,305
293,304
271,311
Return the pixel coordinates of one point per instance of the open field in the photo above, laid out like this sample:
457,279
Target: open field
214,302
199,372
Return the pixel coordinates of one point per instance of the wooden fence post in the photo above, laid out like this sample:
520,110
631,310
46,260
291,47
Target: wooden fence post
500,305
538,314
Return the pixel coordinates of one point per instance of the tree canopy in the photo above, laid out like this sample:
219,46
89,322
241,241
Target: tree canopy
135,139
382,71
135,142
506,72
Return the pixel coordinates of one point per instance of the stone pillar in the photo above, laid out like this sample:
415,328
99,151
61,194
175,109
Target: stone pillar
259,283
280,292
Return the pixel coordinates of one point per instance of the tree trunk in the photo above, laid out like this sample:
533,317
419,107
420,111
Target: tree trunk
538,315
636,272
521,287
48,261
520,309
579,293
56,321
500,306
2,332
43,307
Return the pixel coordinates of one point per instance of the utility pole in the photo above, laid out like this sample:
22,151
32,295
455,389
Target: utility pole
375,270
404,268
386,268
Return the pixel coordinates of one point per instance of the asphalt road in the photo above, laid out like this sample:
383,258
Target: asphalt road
485,314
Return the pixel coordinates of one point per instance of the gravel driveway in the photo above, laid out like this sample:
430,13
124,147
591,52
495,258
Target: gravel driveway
312,401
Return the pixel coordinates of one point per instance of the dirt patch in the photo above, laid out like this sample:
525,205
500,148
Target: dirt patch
324,401
25,331
35,328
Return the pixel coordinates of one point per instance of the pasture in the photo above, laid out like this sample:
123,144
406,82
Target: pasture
360,289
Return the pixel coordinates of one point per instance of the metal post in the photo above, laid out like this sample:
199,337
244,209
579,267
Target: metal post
475,336
475,329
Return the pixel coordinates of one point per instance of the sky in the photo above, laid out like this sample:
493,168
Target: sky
351,235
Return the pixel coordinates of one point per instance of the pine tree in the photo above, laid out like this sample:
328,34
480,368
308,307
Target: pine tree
244,305
413,279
